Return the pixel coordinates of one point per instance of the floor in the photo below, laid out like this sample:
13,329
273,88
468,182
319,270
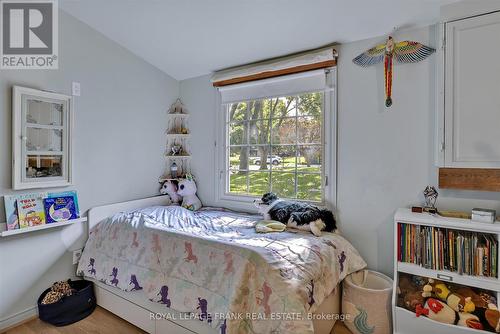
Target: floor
339,328
102,322
99,322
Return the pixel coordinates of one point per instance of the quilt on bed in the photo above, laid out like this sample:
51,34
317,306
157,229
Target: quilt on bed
212,265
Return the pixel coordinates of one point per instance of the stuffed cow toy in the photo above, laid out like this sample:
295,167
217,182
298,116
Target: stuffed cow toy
187,189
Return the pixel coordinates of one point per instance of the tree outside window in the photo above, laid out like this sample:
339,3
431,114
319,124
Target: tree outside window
276,144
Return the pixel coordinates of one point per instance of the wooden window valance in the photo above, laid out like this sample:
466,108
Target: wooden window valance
311,60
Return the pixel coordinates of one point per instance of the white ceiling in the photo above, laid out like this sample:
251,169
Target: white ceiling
189,38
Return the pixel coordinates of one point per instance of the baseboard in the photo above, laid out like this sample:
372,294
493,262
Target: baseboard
18,319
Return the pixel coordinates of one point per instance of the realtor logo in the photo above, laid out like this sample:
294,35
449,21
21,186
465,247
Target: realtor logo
29,34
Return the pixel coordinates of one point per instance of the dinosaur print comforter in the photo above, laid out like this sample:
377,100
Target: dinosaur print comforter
212,265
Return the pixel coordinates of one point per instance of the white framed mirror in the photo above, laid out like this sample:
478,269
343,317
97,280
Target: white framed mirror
41,138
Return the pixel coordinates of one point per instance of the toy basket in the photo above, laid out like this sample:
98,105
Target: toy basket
69,309
366,302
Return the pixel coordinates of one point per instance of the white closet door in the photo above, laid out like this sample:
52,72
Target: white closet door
472,92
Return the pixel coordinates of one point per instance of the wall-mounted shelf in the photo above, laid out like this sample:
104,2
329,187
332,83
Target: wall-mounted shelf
178,156
177,115
163,179
180,135
5,233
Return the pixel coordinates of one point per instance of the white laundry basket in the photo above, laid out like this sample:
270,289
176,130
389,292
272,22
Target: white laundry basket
366,302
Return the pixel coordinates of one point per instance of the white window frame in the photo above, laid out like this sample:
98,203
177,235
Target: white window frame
329,163
19,136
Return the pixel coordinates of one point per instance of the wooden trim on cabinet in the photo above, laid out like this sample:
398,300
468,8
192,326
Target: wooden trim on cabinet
277,73
469,179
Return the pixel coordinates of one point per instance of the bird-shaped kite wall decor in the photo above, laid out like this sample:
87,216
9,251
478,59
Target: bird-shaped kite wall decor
404,52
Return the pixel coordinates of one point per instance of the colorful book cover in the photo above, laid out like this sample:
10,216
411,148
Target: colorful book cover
10,203
68,193
31,210
59,209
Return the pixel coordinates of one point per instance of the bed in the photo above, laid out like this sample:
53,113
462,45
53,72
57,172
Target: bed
167,269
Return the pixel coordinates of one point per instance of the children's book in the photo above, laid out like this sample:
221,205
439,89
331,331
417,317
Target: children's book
10,203
31,210
59,209
68,193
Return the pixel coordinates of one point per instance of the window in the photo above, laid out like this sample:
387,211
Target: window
277,143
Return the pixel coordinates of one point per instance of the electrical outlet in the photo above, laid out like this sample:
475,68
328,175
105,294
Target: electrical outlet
75,89
77,254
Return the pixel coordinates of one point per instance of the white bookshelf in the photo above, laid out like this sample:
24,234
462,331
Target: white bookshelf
5,233
404,321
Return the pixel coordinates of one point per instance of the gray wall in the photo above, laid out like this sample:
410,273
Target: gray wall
385,156
199,97
118,150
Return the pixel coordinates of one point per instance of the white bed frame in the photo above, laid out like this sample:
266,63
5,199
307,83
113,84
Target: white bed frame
135,307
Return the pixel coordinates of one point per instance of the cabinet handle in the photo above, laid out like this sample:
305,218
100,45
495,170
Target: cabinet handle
445,277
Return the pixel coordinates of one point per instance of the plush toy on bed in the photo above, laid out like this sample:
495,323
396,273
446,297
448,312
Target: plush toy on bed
169,188
295,214
187,189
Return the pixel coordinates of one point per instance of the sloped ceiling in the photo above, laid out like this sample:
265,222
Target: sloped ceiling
194,37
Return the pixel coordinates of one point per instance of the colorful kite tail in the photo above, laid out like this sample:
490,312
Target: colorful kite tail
388,80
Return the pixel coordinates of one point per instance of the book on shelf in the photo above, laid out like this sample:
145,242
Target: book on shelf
59,209
10,203
437,248
31,210
71,193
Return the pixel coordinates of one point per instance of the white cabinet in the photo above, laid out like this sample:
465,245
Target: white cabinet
41,138
470,135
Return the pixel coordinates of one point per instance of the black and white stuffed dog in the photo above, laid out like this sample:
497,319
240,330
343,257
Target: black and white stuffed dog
294,214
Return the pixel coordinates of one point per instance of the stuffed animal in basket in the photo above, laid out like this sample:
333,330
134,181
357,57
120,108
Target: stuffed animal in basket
454,300
57,291
480,300
469,320
409,293
492,315
439,311
169,187
187,189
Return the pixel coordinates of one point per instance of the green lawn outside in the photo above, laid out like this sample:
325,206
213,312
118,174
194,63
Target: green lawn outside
283,179
308,185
